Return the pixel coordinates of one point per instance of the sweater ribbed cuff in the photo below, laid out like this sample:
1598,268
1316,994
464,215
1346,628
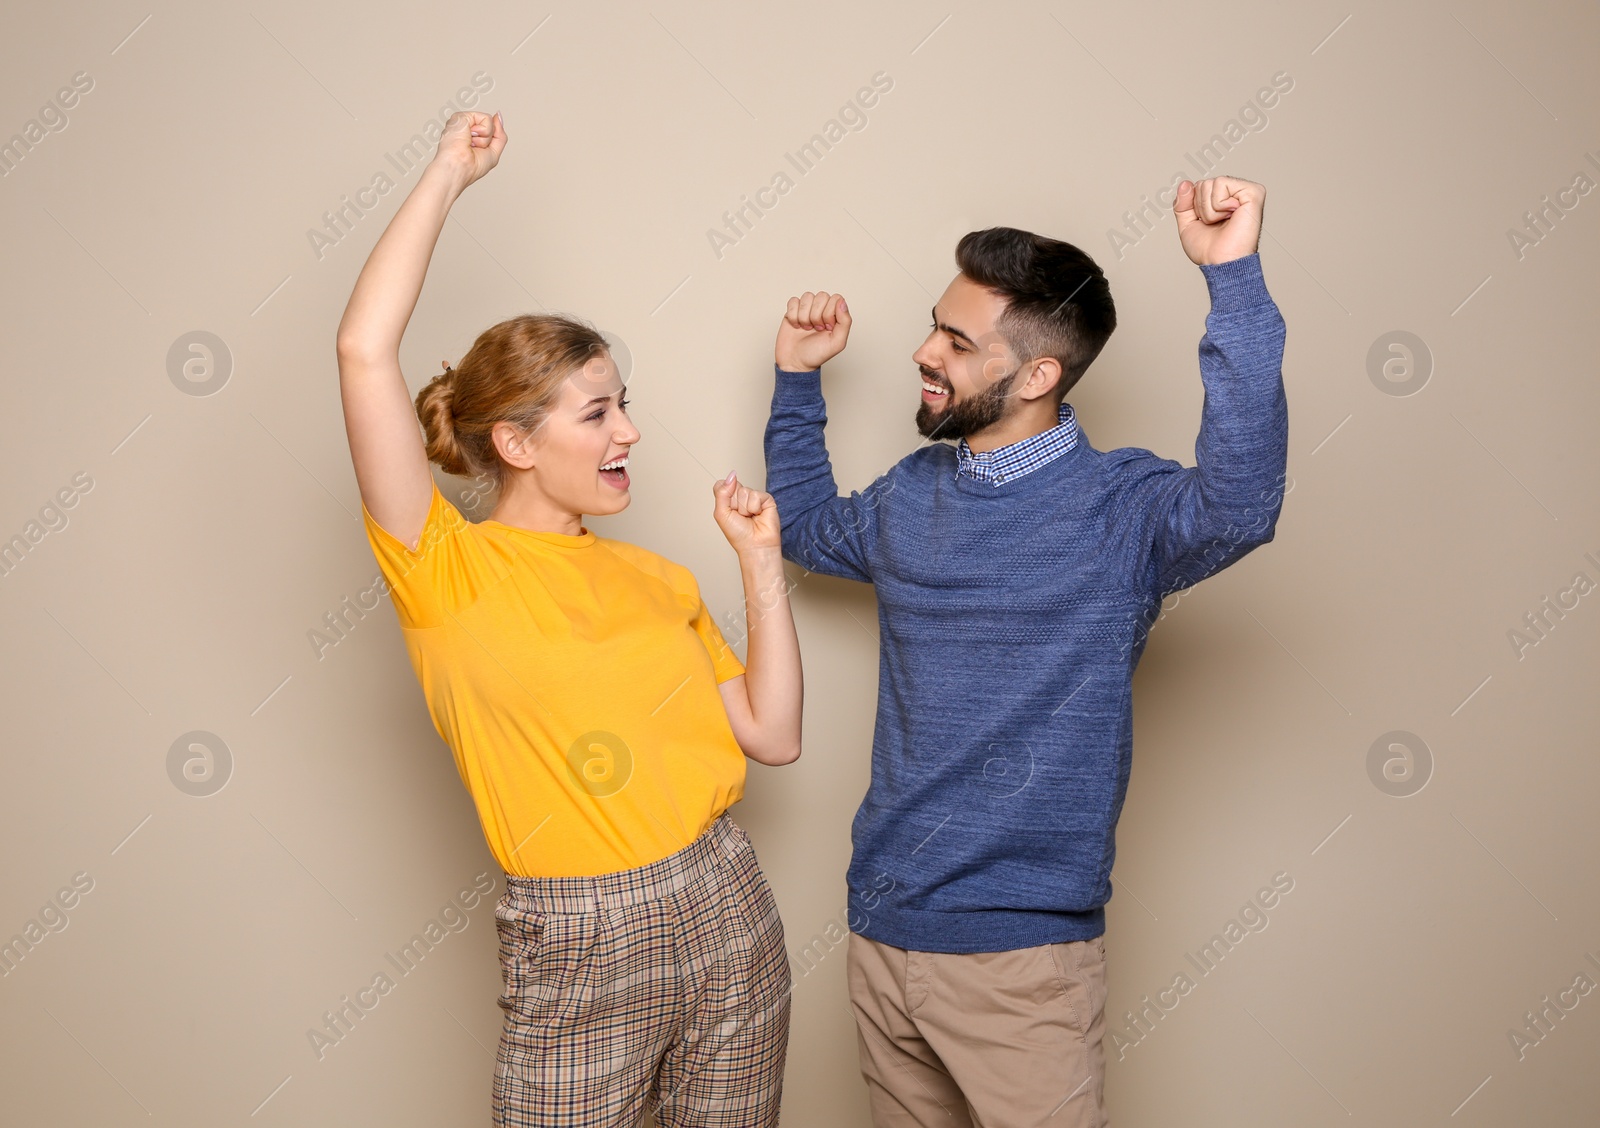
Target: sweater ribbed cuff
1237,283
806,384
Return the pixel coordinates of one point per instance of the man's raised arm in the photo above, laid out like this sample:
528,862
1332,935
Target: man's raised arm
1228,503
822,531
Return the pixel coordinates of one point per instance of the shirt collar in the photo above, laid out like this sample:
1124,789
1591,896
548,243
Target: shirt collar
1021,457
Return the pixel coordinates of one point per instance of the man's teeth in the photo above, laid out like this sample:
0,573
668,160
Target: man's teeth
615,464
934,388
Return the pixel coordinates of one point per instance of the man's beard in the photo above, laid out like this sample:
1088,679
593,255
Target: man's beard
958,420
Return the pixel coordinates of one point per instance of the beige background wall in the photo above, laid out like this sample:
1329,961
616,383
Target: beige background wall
209,534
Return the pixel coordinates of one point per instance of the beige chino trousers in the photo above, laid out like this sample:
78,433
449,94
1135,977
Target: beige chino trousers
988,1040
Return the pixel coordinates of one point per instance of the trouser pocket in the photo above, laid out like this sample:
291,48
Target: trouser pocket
541,956
1080,971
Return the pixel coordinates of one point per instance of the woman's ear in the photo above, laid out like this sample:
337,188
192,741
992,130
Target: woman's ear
515,447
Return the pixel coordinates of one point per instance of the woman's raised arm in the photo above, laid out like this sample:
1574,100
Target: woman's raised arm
380,420
763,703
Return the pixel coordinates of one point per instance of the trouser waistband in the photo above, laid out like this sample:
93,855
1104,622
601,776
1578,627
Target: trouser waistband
675,873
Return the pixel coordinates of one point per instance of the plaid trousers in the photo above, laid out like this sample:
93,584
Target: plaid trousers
663,987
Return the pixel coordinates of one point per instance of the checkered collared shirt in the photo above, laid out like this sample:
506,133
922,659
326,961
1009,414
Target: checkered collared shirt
1015,459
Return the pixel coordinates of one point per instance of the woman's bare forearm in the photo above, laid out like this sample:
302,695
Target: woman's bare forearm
386,291
380,418
772,663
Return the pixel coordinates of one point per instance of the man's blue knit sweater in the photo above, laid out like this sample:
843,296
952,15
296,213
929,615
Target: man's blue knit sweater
1011,619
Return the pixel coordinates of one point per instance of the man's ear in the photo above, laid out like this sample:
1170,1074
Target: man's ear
1046,375
515,447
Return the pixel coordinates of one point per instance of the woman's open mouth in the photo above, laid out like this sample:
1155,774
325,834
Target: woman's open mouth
615,473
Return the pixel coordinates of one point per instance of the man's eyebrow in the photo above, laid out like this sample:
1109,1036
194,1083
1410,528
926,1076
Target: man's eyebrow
950,329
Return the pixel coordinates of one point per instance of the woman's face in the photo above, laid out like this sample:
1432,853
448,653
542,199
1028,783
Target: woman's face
580,454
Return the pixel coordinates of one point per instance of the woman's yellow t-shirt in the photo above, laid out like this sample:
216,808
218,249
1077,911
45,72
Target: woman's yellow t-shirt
575,679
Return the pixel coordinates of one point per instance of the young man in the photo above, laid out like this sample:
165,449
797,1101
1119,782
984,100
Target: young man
1017,574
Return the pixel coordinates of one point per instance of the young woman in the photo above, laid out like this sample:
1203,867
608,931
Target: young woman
595,712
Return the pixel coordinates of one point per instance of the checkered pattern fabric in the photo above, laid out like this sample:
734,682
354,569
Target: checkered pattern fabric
665,986
1015,459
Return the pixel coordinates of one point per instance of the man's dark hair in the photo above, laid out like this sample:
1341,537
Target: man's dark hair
1058,303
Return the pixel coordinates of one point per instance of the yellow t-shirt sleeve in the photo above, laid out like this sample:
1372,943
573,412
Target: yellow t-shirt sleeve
723,660
420,579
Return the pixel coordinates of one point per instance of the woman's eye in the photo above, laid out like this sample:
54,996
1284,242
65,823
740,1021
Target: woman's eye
602,412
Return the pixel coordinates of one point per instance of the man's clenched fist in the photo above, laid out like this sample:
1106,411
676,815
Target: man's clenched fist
813,331
1219,219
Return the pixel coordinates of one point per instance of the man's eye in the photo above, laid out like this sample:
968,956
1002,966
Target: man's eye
953,344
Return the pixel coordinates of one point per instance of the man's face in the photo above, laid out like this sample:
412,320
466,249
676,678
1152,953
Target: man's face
967,361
